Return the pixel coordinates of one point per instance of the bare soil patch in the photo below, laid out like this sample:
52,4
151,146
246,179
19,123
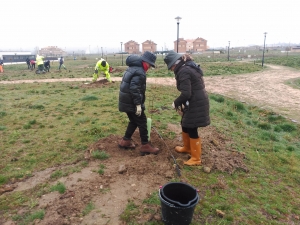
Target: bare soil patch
127,176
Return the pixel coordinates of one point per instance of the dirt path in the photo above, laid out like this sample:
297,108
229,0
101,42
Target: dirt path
264,89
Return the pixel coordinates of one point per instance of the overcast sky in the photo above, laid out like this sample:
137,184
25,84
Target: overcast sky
84,25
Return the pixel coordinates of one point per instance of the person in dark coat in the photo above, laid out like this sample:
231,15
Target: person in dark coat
132,100
28,63
192,103
47,65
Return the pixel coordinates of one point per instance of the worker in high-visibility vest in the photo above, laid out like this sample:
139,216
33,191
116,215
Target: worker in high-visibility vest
40,62
103,66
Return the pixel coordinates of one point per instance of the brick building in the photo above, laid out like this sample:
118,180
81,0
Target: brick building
181,45
52,51
190,45
199,45
132,47
148,46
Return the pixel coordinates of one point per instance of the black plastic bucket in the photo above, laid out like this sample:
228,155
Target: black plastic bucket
178,201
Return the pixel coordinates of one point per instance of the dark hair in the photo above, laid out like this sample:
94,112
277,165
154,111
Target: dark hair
103,63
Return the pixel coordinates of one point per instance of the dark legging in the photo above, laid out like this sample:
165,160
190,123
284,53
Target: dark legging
134,122
193,132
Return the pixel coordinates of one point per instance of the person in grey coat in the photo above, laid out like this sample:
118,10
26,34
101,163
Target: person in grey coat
132,100
192,103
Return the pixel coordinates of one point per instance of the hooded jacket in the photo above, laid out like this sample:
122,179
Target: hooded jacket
133,85
189,81
105,69
39,60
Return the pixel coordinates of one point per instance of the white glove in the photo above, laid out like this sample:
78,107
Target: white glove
138,110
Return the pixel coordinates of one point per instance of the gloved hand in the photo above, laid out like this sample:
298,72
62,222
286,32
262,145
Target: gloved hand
138,110
173,105
96,71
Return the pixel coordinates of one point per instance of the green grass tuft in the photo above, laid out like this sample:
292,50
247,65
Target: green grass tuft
100,155
60,187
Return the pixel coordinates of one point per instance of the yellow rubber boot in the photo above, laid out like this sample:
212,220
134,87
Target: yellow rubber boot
186,144
195,159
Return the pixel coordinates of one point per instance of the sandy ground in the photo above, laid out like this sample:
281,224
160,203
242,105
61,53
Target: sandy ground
264,89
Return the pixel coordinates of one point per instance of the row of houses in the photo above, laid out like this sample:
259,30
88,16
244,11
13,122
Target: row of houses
184,46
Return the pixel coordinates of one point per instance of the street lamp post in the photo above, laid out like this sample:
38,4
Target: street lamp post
263,58
228,50
122,53
178,19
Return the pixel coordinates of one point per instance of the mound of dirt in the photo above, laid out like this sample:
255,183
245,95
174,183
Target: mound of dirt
127,176
96,84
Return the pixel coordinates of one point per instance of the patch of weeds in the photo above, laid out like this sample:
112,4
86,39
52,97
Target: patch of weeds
275,118
268,136
291,148
264,126
95,131
101,169
60,187
238,106
277,128
100,155
84,164
40,107
57,174
217,98
3,179
153,199
27,126
130,212
89,207
28,218
2,127
89,98
288,127
2,114
32,122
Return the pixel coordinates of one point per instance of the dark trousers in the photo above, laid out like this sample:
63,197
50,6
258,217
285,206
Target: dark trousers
47,68
32,66
28,64
134,122
193,132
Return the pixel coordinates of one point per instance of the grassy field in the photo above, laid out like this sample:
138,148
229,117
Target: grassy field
48,124
290,61
84,68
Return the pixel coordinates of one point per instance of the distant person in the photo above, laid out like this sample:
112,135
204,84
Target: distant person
61,63
132,97
47,65
103,66
40,63
32,64
28,63
1,66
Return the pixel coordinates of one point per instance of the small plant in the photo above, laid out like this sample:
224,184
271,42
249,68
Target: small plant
130,211
60,187
100,155
90,206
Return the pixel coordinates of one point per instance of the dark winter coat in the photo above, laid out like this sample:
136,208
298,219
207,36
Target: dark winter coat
189,81
133,85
